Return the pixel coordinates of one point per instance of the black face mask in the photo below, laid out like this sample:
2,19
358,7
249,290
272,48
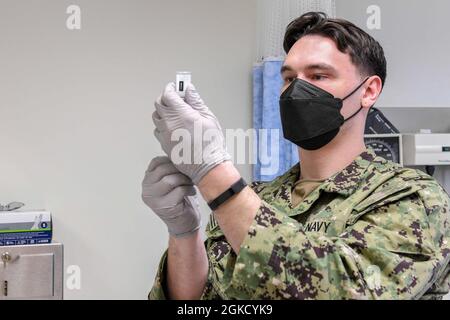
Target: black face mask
310,116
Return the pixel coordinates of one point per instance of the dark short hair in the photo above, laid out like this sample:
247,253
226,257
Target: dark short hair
365,52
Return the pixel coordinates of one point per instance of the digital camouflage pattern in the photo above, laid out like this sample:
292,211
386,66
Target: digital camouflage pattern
375,230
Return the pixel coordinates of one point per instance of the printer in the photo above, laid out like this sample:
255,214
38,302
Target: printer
426,148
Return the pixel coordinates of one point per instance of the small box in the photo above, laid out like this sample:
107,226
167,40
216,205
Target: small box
25,227
183,79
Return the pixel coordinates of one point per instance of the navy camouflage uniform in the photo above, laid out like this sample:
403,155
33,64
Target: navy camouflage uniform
374,230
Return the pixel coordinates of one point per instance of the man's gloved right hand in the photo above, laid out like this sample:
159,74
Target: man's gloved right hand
172,196
203,141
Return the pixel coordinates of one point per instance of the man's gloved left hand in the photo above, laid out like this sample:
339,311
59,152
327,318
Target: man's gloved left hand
202,146
172,196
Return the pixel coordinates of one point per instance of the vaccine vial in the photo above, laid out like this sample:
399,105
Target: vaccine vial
183,78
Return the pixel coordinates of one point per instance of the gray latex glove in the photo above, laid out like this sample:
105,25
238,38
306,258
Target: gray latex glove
188,132
172,196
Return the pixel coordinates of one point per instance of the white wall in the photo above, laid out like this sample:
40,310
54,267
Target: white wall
415,38
75,109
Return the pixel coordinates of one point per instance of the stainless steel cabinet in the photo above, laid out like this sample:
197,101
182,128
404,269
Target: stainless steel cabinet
31,272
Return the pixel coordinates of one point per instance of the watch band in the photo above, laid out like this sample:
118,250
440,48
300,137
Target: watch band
227,194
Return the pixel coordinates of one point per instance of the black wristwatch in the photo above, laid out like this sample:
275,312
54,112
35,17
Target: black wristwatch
227,194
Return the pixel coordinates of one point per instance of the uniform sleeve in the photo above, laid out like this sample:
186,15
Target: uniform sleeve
159,291
394,251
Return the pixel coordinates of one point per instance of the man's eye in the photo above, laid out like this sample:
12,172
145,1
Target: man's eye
318,77
289,79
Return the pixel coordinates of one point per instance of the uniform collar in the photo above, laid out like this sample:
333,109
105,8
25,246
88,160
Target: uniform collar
348,180
344,182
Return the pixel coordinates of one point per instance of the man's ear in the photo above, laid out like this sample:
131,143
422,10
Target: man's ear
372,92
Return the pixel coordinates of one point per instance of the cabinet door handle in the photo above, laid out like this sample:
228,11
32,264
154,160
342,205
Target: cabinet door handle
6,257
